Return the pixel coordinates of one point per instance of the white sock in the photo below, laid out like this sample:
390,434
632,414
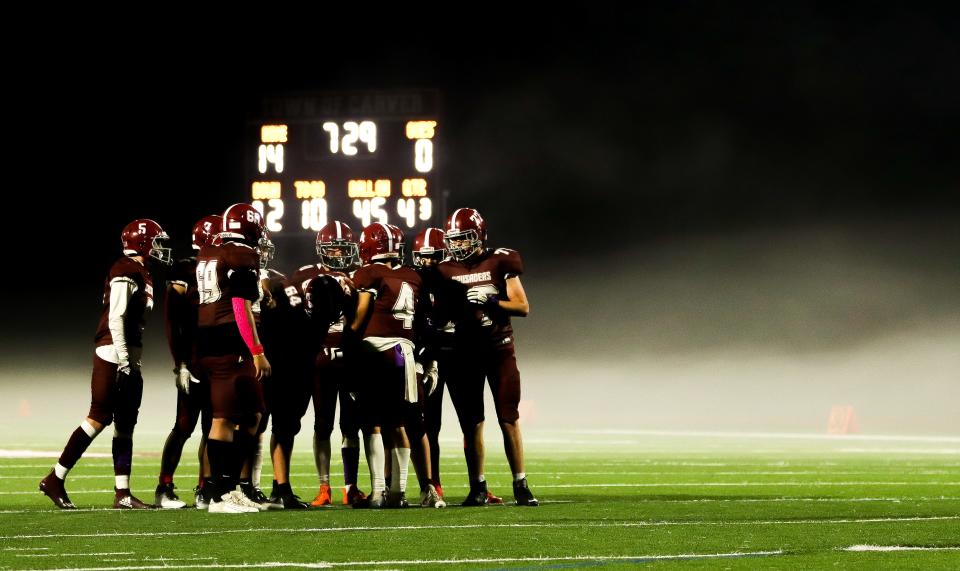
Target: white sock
89,429
321,455
519,476
374,450
122,482
257,469
60,471
481,478
400,464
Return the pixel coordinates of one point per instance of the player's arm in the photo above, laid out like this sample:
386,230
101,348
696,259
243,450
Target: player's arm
365,301
243,313
121,290
176,312
516,302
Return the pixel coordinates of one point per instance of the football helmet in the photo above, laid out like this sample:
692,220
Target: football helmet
144,237
466,233
205,229
399,239
428,245
379,242
243,222
337,246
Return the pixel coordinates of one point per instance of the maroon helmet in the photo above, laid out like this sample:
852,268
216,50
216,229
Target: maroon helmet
428,245
378,242
205,229
336,246
143,237
243,222
465,224
399,239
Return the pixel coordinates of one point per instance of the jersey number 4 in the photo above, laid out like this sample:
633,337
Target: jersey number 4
404,308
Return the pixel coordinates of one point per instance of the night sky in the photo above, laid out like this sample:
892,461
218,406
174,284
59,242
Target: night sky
729,177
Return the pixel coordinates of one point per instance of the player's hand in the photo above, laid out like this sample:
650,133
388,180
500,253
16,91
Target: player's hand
431,378
182,378
127,374
477,297
264,369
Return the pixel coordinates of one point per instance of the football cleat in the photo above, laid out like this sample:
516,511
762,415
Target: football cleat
165,498
429,498
324,497
200,500
397,500
288,501
352,494
253,496
480,496
53,488
523,495
231,503
124,500
373,501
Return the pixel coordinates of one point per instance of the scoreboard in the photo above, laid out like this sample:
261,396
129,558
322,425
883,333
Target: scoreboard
357,157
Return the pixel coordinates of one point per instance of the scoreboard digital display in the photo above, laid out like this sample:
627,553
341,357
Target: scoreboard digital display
357,157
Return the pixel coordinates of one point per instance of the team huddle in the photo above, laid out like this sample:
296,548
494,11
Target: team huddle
357,328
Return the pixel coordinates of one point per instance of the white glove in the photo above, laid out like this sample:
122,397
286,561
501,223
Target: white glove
183,378
476,296
431,378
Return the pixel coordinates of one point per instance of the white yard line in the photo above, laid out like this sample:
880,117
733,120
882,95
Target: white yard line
769,435
376,563
886,548
490,525
75,554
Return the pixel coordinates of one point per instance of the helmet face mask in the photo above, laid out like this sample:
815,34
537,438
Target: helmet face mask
159,252
338,254
462,245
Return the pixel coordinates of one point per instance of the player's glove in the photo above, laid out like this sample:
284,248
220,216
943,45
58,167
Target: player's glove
431,378
477,297
182,378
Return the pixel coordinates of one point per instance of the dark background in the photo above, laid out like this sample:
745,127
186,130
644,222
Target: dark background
689,180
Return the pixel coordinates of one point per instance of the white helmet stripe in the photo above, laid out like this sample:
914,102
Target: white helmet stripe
454,226
426,237
339,231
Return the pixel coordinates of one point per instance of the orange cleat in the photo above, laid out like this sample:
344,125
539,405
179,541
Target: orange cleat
324,497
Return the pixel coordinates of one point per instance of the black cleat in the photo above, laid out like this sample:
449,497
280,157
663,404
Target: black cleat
54,489
480,496
523,495
373,501
286,501
397,500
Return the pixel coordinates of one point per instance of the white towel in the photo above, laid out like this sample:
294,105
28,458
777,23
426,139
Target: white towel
409,363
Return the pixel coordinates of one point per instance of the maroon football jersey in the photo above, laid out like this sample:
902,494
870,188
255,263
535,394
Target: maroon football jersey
223,273
129,271
396,291
301,281
487,272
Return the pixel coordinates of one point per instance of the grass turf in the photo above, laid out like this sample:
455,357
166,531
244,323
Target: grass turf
609,501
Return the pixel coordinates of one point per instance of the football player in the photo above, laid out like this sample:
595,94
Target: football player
180,315
386,320
428,251
337,250
484,347
116,383
229,354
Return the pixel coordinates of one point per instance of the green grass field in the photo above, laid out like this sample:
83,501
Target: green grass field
609,501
